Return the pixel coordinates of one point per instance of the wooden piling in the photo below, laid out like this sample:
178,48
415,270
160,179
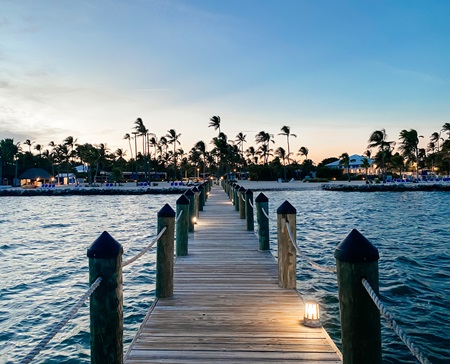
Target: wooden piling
196,201
182,226
357,258
287,255
191,197
241,198
164,253
236,196
262,203
201,197
106,303
249,216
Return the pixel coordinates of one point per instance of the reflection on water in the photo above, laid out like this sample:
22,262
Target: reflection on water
44,266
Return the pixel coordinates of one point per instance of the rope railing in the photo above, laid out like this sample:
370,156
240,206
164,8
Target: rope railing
41,345
243,198
179,215
266,215
145,250
251,204
300,253
393,324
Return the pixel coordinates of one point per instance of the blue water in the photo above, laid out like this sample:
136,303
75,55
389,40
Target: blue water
43,245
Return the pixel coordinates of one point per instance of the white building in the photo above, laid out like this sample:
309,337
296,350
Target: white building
355,165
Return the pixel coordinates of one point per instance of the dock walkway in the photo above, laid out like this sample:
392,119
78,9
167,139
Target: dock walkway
227,306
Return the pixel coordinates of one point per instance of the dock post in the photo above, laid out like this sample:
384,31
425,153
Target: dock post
236,196
262,203
357,258
196,201
191,196
287,255
106,303
164,253
182,228
241,198
201,197
249,217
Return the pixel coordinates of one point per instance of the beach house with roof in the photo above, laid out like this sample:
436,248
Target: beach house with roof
355,165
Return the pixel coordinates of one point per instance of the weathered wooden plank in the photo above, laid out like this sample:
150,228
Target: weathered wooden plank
227,306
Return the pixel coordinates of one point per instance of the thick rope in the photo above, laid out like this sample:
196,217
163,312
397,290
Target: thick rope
251,204
266,215
38,348
179,215
393,324
243,198
145,250
300,253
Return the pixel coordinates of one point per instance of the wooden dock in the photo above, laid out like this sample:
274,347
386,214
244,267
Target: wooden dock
227,306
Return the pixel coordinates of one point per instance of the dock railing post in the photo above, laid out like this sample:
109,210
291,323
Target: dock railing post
357,258
182,226
287,257
241,197
196,201
249,216
164,253
262,203
201,197
191,197
236,196
106,303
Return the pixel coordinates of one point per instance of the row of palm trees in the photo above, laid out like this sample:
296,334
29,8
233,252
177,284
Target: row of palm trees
409,156
148,153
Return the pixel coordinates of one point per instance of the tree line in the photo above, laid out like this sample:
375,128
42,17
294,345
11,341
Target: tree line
150,153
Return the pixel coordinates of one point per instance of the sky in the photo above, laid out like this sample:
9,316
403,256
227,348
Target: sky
333,71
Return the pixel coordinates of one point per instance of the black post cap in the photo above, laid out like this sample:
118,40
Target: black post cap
201,187
241,189
195,189
104,247
189,192
248,191
166,211
183,200
286,208
261,198
355,248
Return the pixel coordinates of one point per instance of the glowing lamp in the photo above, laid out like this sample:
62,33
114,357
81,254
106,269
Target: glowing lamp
312,316
195,219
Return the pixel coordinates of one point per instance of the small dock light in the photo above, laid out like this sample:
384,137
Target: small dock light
312,314
195,219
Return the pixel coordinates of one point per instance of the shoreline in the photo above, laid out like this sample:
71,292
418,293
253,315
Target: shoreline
166,188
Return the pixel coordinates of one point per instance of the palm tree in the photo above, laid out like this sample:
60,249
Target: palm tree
365,163
214,122
240,140
281,153
409,146
286,130
264,138
303,151
265,152
29,143
250,153
446,128
378,139
127,136
172,138
344,160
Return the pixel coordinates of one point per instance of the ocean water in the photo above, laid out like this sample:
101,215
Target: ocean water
43,243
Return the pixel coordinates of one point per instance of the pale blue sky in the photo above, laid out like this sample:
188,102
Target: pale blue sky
334,71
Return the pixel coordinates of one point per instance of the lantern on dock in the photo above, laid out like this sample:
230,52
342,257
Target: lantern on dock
312,314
